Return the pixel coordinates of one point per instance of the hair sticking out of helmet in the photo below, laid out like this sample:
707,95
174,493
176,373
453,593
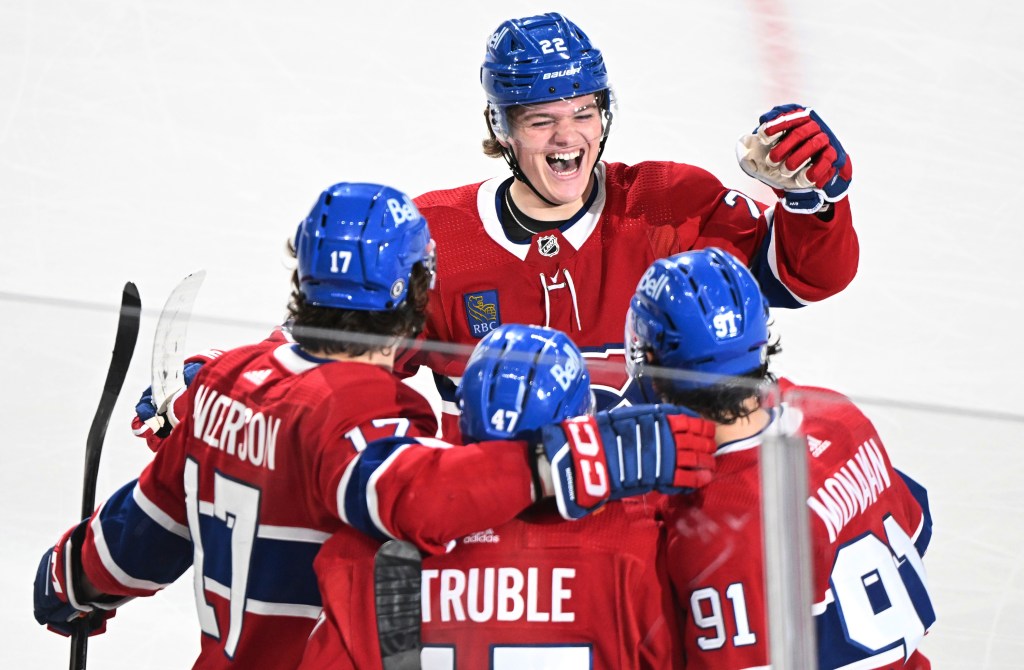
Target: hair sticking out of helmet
536,60
358,245
520,378
698,312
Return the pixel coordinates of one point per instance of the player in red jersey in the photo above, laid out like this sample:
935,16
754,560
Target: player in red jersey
282,443
533,592
563,241
701,313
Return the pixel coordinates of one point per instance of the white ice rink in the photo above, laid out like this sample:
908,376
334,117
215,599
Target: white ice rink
144,140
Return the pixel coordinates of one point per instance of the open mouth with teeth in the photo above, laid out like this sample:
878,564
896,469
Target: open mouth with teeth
565,163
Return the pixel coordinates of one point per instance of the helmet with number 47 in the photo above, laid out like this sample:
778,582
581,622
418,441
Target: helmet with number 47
520,378
698,312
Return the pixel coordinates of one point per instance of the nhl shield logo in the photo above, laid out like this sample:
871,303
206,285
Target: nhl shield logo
482,313
548,245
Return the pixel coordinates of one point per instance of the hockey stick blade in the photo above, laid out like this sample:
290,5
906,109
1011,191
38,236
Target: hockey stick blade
168,374
120,359
396,584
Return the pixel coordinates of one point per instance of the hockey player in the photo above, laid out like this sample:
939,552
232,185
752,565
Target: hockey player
563,241
283,443
533,592
700,315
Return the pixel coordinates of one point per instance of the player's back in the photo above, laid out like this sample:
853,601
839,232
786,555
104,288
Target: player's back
871,526
261,456
540,592
869,529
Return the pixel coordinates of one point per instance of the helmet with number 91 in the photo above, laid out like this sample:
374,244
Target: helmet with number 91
698,311
520,378
357,247
540,59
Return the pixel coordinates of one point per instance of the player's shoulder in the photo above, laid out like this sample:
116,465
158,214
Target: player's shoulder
654,174
363,389
372,381
817,406
226,362
454,219
458,199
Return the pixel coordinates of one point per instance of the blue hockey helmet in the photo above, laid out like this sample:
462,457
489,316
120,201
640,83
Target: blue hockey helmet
539,59
698,311
520,378
357,247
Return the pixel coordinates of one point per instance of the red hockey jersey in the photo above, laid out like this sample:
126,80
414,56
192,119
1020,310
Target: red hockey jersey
581,277
537,592
870,527
277,451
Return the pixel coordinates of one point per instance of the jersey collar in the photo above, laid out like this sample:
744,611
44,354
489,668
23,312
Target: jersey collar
576,233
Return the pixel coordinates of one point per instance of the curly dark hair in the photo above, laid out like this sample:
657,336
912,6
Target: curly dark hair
727,401
354,332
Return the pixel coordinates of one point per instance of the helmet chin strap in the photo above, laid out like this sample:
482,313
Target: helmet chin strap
517,172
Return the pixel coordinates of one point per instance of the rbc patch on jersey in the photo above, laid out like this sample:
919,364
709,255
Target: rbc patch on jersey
482,313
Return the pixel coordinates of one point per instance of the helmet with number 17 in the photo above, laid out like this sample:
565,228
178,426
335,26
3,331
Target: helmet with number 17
700,312
358,245
520,378
540,59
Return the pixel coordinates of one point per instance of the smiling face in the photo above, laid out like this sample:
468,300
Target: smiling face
557,144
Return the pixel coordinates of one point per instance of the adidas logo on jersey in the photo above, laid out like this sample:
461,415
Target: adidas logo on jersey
817,446
257,377
483,537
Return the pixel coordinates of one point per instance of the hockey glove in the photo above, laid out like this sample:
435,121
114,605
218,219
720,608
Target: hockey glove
149,422
792,150
625,452
58,603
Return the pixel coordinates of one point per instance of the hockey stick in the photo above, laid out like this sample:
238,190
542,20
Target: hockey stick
121,357
396,585
169,341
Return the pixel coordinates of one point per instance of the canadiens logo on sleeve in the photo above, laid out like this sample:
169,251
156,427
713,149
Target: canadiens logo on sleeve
482,312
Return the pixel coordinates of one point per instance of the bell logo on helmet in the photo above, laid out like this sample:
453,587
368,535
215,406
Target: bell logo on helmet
650,285
566,374
496,38
402,211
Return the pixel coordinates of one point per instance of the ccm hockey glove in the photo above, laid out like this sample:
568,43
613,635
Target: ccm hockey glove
792,150
625,452
58,602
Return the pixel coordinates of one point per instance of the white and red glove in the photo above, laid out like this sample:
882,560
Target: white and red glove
793,151
624,452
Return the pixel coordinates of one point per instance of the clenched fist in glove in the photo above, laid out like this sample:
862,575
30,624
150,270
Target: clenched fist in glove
792,150
59,602
624,452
